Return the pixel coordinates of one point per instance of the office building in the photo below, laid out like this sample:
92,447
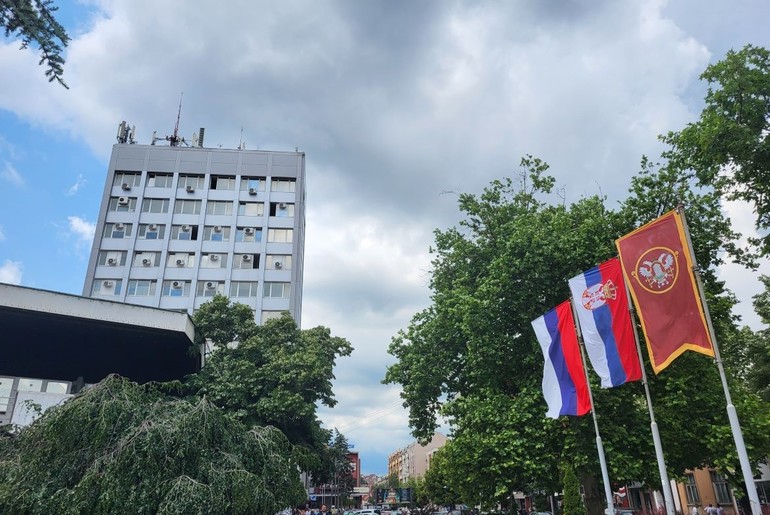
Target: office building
178,225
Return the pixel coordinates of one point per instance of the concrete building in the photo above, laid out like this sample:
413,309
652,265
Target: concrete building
414,459
177,225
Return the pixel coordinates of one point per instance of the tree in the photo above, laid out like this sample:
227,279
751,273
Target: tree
342,470
573,505
438,485
33,21
118,447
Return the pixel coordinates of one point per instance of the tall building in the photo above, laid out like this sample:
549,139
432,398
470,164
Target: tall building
177,225
414,459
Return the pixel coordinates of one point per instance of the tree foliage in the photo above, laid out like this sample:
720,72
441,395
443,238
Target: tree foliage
119,447
572,503
33,21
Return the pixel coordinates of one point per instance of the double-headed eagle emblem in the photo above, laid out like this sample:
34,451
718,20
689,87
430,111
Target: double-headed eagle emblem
659,272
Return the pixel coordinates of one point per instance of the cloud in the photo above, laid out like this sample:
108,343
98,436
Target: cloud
78,184
11,175
81,228
10,272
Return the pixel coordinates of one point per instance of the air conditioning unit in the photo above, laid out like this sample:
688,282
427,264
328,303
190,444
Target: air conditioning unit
248,230
122,201
185,228
146,261
278,265
120,227
112,261
282,205
152,227
176,284
126,186
252,191
214,257
108,284
217,228
189,189
211,285
180,262
246,257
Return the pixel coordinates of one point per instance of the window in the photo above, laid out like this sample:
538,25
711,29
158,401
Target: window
141,288
155,205
184,232
248,234
277,290
281,209
146,258
181,260
243,289
269,315
220,182
130,179
282,185
6,385
246,261
112,258
117,230
280,235
175,289
159,180
252,184
251,208
209,288
721,488
691,489
187,207
151,231
106,287
278,261
194,182
213,261
763,487
122,204
216,233
219,207
30,385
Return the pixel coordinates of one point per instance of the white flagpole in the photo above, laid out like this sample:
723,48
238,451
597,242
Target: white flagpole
599,446
668,497
732,415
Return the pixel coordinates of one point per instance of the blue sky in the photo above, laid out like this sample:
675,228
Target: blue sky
398,105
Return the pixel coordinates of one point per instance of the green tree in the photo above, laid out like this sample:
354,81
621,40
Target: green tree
757,355
118,447
572,503
33,21
439,482
342,469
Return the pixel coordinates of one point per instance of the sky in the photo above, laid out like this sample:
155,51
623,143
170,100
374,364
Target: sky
400,106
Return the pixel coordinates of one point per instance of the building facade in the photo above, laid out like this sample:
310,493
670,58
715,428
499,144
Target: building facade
414,460
178,225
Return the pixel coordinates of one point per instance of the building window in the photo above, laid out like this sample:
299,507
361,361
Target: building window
213,261
184,232
763,488
243,289
278,262
29,385
141,288
146,259
209,288
269,315
691,489
287,185
175,289
106,287
187,207
112,258
216,233
721,489
251,208
221,182
151,231
193,182
117,230
248,234
281,209
155,205
277,290
130,179
181,260
252,184
6,385
280,235
159,180
246,261
219,207
122,204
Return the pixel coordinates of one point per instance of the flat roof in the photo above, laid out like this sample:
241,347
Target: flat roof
54,335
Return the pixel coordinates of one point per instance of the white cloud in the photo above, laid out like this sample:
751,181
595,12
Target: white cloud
80,182
10,272
81,228
11,175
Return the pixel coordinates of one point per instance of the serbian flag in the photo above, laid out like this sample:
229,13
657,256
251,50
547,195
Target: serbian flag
564,379
601,305
658,270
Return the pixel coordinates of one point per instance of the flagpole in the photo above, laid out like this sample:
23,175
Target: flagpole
668,497
732,414
599,446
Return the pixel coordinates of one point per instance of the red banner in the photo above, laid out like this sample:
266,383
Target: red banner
657,267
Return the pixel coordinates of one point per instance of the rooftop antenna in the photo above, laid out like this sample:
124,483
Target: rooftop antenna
241,143
175,139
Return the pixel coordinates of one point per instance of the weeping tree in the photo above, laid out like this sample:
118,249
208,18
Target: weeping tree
119,447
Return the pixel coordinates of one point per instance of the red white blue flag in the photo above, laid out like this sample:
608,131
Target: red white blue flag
601,304
564,381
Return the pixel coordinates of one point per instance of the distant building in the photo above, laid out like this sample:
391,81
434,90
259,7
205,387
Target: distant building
414,460
177,225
